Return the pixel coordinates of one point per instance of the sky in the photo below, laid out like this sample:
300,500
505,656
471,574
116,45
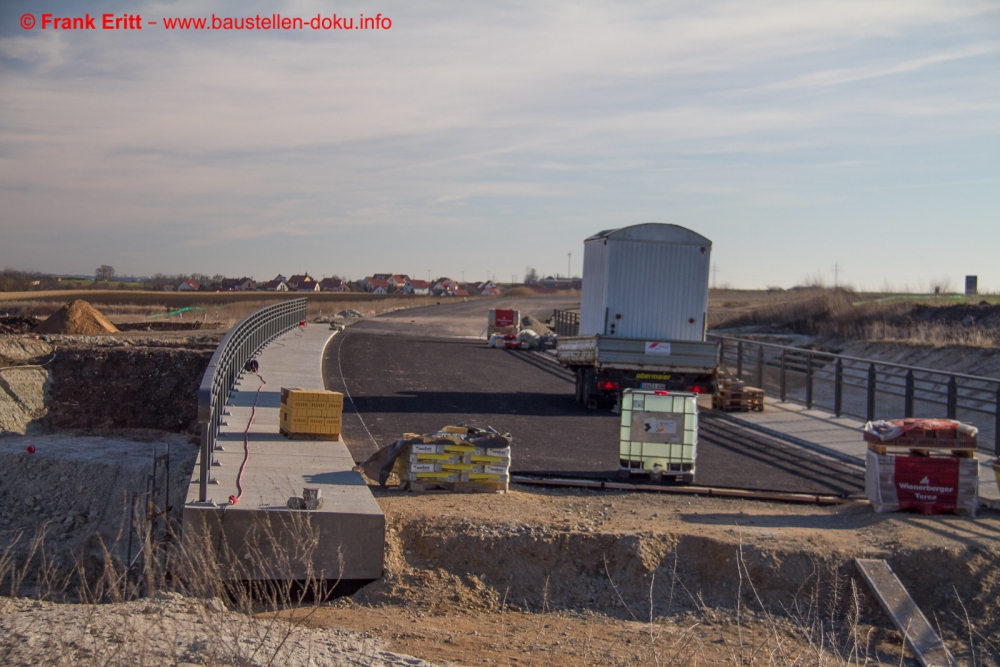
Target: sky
477,139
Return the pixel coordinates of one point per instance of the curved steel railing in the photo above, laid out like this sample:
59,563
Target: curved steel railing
865,388
240,345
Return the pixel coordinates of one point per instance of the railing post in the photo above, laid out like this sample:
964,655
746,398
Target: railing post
871,392
908,395
838,388
952,397
203,472
781,378
722,351
739,360
760,366
996,425
809,381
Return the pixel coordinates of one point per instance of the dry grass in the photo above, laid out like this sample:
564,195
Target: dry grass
843,314
116,611
119,613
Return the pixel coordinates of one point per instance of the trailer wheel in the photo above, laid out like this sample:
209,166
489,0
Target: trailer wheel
589,385
579,385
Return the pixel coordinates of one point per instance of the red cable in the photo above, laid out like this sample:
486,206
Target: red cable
246,444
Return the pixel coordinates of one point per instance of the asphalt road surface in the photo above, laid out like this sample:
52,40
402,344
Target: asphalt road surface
401,377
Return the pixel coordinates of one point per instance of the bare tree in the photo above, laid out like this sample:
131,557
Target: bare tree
105,273
530,275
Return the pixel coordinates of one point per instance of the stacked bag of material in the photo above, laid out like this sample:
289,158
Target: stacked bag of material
458,458
927,465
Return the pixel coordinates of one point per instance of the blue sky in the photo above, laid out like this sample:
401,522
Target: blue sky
484,138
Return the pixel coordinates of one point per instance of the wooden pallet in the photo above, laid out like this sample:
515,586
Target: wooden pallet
454,487
891,448
308,436
747,399
925,439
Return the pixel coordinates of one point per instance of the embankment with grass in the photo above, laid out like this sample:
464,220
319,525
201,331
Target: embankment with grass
936,321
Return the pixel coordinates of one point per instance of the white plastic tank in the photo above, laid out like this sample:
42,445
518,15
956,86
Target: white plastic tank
659,431
646,281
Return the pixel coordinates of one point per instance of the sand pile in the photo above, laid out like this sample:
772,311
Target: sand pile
78,317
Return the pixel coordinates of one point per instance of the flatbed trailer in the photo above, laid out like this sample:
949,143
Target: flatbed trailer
605,366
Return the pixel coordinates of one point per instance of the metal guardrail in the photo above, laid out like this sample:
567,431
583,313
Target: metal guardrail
864,388
566,322
240,345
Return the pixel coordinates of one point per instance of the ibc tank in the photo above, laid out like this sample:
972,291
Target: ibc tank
646,281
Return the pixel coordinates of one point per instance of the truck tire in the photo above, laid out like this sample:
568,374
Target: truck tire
579,385
589,394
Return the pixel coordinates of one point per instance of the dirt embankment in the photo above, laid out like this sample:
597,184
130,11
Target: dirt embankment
566,575
17,325
101,382
140,387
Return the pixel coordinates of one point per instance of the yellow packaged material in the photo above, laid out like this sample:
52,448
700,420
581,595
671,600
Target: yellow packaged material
492,460
486,477
292,423
446,467
437,477
294,397
438,458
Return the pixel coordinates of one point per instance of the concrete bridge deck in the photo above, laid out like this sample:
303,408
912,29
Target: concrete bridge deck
347,533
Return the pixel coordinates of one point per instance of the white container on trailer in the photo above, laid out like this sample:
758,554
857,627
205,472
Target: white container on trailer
647,281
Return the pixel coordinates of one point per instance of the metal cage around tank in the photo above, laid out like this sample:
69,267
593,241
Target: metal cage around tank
242,343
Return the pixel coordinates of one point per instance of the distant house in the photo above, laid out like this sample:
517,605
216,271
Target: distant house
374,284
303,283
169,288
188,286
490,291
379,290
333,285
444,287
421,287
237,285
399,280
461,292
276,285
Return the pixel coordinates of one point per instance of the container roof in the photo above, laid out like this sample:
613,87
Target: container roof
653,231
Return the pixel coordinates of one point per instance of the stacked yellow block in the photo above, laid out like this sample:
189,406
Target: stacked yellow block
311,413
454,462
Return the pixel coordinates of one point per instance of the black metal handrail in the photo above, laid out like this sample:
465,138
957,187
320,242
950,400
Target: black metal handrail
836,382
566,322
238,346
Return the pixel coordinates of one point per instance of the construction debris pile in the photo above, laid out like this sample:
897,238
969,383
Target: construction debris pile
525,339
456,458
77,318
927,465
17,325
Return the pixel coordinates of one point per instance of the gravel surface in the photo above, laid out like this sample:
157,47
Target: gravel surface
173,630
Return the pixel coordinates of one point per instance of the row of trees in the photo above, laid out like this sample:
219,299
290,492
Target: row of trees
104,277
